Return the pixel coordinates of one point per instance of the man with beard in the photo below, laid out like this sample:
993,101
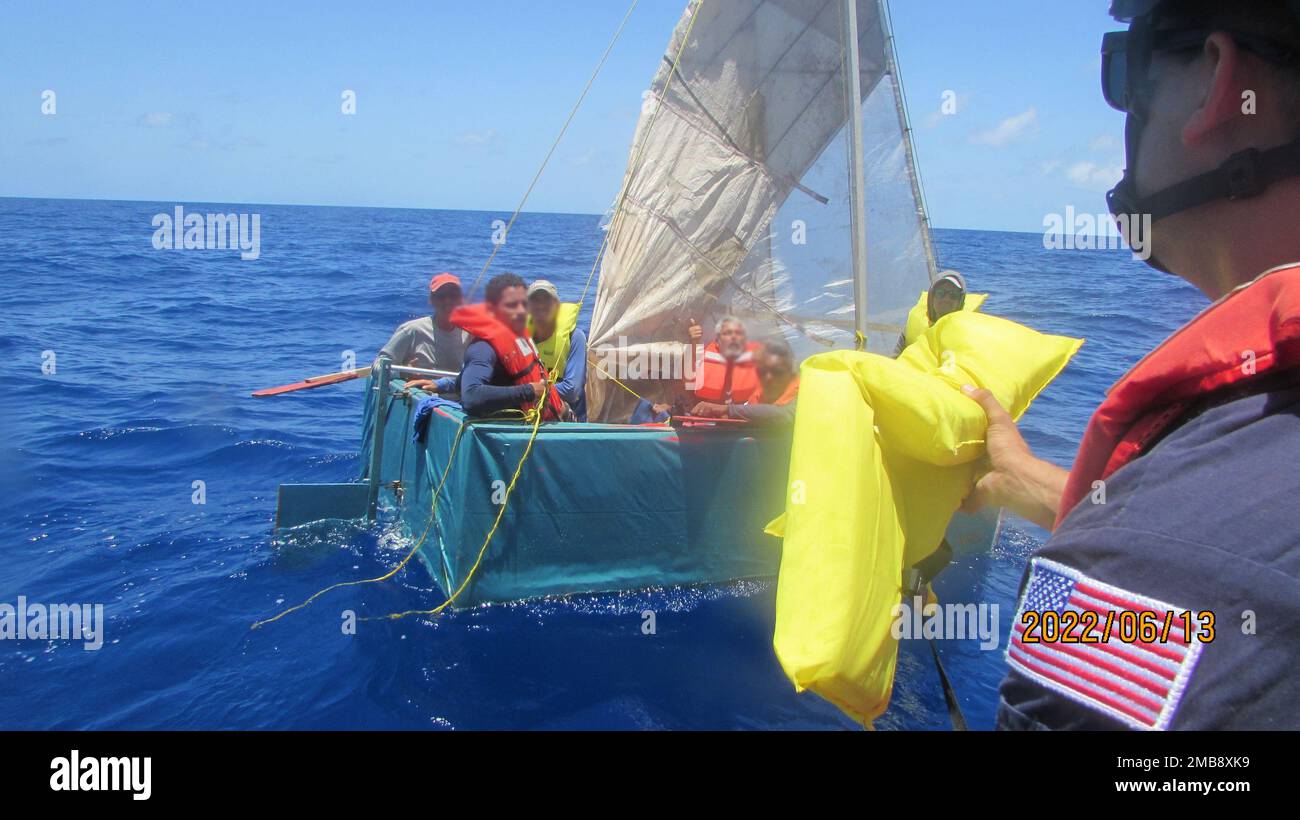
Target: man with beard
725,373
775,402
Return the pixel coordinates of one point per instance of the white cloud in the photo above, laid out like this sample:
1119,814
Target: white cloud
476,137
1093,176
157,119
585,158
1009,130
1104,142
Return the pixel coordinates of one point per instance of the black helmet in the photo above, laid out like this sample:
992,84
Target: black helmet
1126,11
1243,175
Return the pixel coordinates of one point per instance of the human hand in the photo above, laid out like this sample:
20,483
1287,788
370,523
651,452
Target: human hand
694,332
1016,478
709,410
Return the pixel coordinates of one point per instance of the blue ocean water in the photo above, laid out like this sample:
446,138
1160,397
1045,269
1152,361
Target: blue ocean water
154,355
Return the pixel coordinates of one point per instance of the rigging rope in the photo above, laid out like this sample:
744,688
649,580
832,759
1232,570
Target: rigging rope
556,144
635,165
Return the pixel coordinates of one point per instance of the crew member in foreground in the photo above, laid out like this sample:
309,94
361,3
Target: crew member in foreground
431,342
502,368
562,345
775,402
1181,505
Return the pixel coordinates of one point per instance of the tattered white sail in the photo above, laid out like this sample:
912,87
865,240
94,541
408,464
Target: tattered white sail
736,196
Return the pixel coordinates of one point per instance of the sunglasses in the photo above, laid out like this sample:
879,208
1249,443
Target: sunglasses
1126,57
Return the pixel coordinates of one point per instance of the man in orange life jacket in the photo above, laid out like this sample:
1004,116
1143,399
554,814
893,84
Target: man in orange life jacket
725,372
1182,498
502,370
775,402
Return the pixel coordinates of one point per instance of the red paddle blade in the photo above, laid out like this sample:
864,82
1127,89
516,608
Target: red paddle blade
308,384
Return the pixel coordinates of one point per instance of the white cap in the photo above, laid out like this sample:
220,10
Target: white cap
954,277
543,286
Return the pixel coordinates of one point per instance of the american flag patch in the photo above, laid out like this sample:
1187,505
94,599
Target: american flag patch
1137,682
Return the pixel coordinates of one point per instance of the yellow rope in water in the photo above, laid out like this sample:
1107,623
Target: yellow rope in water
536,415
572,112
432,510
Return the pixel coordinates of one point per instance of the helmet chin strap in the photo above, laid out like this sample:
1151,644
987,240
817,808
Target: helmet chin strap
1243,175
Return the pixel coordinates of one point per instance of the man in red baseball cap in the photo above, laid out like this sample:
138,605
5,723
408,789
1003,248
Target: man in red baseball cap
431,342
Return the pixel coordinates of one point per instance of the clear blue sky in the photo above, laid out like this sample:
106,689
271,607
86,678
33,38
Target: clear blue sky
457,102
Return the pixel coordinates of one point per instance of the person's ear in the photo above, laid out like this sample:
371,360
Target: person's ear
1230,77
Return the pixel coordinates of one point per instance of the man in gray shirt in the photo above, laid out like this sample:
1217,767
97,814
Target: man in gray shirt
431,342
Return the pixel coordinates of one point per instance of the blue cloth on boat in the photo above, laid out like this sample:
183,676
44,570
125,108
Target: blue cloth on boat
424,411
645,414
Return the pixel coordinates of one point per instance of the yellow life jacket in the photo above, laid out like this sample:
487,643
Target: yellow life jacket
918,318
555,350
852,525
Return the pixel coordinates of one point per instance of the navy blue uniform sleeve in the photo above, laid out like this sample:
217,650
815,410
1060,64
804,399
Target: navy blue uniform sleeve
1204,523
478,395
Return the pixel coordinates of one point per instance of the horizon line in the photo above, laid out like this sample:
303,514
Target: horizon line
388,208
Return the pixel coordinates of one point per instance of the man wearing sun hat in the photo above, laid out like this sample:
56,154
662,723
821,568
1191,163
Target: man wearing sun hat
946,295
431,342
561,344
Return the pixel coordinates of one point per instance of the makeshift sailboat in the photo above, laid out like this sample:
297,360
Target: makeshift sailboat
771,178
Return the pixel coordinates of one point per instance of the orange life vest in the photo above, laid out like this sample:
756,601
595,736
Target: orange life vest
721,379
1251,333
517,354
790,393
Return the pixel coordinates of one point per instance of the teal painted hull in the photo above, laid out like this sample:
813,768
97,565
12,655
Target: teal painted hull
596,508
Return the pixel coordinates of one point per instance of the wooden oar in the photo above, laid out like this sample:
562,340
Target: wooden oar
698,420
314,382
